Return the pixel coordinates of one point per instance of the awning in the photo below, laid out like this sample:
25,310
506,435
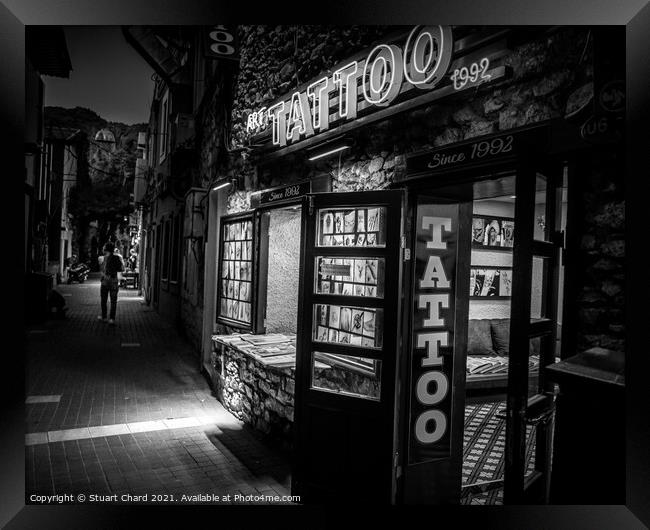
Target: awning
161,47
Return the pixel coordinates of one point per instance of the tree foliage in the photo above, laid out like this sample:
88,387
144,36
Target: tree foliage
106,199
105,173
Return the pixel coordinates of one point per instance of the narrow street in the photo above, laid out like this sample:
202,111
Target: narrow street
114,410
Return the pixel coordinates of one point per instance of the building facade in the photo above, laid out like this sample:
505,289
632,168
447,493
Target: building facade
47,54
386,228
169,188
63,149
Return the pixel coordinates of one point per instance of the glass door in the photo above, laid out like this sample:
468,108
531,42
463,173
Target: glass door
346,361
534,332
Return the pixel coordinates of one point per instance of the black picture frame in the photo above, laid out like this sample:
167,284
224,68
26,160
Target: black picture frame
505,233
499,269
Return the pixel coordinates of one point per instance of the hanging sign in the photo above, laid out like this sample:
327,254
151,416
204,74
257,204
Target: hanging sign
221,43
433,333
427,61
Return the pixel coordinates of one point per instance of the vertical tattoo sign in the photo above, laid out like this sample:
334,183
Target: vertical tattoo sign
433,332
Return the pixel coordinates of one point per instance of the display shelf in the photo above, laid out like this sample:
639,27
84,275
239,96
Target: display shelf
494,248
275,350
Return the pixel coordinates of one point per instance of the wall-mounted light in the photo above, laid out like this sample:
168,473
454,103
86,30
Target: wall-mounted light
223,184
327,149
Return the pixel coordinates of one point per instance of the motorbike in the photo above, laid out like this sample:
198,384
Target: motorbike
78,273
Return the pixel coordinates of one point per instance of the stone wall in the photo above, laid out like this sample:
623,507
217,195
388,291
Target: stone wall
259,395
262,396
601,296
277,59
549,75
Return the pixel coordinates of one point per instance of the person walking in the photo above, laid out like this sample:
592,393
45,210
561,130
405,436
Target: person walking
110,266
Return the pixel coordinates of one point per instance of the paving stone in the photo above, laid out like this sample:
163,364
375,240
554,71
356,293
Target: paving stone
129,418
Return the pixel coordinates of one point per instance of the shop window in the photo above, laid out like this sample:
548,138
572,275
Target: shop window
355,326
345,374
350,277
235,283
491,273
352,227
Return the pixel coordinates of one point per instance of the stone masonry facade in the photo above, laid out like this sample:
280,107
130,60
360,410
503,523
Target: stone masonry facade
261,396
549,74
552,75
601,290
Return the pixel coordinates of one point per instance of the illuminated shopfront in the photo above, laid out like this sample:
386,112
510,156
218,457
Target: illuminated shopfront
370,330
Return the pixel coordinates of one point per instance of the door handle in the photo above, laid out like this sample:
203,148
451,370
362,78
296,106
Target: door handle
540,408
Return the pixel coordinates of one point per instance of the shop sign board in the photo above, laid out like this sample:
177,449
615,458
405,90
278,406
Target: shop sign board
432,353
285,193
427,59
480,150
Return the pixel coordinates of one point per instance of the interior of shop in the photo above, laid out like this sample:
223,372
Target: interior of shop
488,333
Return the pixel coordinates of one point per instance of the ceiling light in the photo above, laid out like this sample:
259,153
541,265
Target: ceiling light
328,148
330,152
222,185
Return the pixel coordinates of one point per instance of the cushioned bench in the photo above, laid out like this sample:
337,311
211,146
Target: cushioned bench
488,342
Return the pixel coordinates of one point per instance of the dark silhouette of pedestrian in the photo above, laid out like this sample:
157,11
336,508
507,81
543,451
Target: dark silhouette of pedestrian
110,265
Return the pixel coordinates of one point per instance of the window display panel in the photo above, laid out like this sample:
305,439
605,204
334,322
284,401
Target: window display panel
354,326
350,276
493,232
493,236
352,227
236,270
346,374
490,282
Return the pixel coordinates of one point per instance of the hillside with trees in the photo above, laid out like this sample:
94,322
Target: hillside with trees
101,201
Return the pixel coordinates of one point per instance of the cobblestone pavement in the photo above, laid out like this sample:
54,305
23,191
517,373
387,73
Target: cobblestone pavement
117,410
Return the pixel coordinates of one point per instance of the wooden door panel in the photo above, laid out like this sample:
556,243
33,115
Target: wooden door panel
347,347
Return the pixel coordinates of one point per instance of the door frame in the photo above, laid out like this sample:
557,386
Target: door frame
535,153
391,349
413,478
521,410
